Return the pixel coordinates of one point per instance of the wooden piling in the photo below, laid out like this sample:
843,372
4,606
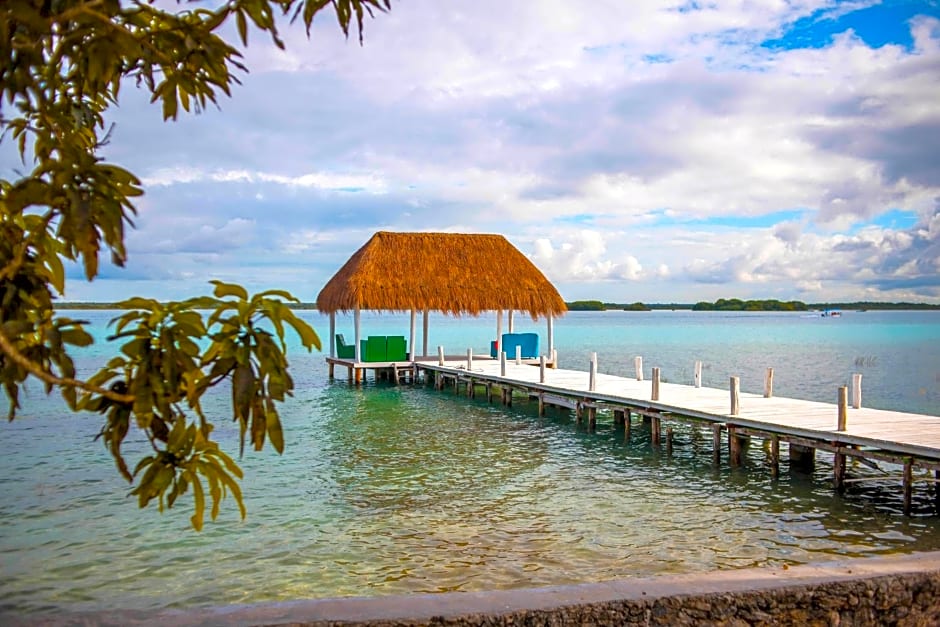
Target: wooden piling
329,369
908,485
856,391
541,404
734,447
838,472
769,383
518,355
592,418
843,401
489,392
592,373
440,355
618,417
716,443
626,424
541,368
469,359
394,374
638,364
655,430
802,458
735,395
655,393
774,456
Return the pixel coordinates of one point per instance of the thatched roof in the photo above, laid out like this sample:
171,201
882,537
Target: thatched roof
453,273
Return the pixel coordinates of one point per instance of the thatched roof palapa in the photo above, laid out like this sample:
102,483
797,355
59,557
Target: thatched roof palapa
454,273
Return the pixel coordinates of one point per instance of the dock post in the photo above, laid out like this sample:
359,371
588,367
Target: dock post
577,411
936,491
908,484
838,471
541,368
394,374
843,398
592,373
769,383
471,388
697,376
541,404
655,431
735,395
668,440
592,418
638,364
618,417
655,393
518,355
554,358
716,443
627,427
358,375
440,355
502,363
469,359
329,369
734,447
489,391
856,391
508,397
802,458
774,456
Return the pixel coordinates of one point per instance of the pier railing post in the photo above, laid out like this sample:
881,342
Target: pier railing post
655,394
638,364
843,397
697,377
502,363
541,371
856,391
592,376
735,395
769,383
469,359
440,355
518,355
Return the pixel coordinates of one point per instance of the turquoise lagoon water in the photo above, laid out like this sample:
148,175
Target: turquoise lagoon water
387,489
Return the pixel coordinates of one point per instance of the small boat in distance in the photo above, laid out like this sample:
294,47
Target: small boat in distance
828,313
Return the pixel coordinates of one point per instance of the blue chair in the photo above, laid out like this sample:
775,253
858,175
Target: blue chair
527,342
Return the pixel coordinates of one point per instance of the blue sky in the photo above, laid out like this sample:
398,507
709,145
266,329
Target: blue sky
635,151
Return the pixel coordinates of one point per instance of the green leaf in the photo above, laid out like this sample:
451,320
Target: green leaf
229,289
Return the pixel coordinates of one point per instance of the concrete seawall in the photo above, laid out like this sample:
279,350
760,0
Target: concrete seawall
896,590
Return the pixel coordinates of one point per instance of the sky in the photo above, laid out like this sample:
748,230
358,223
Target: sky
634,150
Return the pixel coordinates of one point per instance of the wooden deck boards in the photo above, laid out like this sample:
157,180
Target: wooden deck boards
893,431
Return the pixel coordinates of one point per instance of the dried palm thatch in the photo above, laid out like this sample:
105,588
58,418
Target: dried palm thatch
454,273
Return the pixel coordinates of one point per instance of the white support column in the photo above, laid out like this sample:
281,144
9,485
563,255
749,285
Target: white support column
424,346
332,334
411,342
358,334
550,321
511,321
499,331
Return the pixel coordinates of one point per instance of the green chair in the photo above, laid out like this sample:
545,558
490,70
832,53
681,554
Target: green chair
374,348
396,348
344,350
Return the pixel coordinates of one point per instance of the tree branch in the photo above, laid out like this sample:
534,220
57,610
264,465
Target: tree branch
20,359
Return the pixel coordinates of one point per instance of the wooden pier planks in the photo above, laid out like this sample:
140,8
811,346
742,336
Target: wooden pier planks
897,432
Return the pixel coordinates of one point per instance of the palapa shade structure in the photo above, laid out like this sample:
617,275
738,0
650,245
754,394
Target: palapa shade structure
452,273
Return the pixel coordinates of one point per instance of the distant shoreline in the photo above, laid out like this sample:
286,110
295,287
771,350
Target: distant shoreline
768,305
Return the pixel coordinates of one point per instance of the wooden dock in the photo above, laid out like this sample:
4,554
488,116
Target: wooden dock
911,442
